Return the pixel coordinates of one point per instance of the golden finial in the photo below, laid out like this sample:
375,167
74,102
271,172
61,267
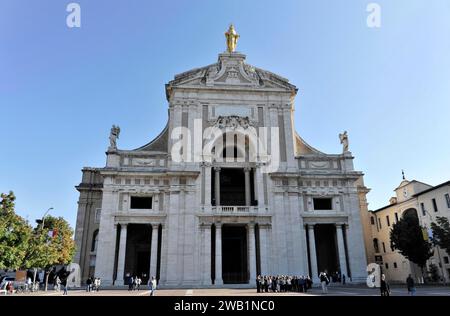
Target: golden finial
232,38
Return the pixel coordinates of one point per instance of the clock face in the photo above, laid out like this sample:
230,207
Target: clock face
405,193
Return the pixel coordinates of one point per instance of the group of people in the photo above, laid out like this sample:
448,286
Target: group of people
93,284
57,283
386,291
288,283
29,286
134,284
283,283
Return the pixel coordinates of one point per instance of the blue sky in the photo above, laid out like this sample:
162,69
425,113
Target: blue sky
61,89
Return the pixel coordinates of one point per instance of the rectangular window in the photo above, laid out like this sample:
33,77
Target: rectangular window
434,205
141,202
384,247
396,217
379,223
446,260
387,220
386,265
372,220
395,265
447,198
422,207
322,204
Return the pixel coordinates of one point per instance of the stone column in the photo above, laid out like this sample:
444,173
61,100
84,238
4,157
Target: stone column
218,278
251,253
312,254
263,253
247,186
208,185
121,257
217,186
154,251
341,250
259,183
207,255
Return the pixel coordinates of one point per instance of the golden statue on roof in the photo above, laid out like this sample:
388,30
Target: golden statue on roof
232,38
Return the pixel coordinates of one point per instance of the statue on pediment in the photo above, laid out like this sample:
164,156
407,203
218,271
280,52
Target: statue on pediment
232,38
113,136
251,71
212,71
344,141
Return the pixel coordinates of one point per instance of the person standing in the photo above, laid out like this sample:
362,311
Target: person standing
266,284
411,286
308,282
28,284
384,286
88,285
58,284
324,280
97,284
130,283
258,284
138,283
152,285
302,283
10,287
64,283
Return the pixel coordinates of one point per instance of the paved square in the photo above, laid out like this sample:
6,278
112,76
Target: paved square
332,291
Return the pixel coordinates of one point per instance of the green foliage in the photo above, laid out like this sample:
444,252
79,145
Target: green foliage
407,237
46,250
62,242
441,233
15,233
24,247
434,273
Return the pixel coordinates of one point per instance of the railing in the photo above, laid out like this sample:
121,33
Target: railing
232,209
236,210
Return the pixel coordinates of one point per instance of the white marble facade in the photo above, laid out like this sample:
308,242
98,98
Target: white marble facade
278,210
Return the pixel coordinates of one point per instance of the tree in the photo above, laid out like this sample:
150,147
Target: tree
407,237
51,245
61,239
15,233
441,233
434,273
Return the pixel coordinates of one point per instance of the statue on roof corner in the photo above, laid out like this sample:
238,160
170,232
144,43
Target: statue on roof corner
344,141
232,38
113,136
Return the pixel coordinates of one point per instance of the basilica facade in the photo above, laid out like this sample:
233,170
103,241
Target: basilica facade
227,191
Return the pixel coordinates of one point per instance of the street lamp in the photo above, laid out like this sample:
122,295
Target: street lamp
42,221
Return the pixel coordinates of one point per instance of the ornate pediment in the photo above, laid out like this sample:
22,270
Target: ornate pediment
230,71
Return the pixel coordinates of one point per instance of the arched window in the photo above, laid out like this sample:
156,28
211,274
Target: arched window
94,241
411,212
375,245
